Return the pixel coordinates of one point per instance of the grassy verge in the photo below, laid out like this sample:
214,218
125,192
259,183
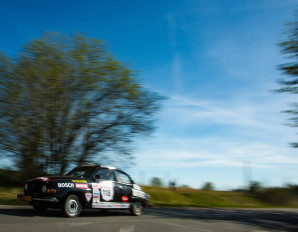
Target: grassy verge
181,197
8,196
184,197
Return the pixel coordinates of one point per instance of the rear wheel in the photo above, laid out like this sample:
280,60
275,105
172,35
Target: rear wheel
136,208
72,206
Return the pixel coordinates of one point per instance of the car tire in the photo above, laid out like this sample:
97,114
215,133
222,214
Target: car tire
38,208
136,208
72,206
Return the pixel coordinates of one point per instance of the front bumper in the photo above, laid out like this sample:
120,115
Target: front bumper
41,199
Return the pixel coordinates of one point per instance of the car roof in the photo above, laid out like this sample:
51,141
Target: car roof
109,167
101,166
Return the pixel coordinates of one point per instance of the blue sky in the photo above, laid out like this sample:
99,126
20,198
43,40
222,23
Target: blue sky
214,60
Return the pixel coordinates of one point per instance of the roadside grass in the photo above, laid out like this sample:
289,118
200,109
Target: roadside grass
8,196
180,197
185,197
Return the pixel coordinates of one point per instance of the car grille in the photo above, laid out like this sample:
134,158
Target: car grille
33,188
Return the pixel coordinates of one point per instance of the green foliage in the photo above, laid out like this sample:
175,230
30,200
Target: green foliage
255,187
278,196
156,181
65,100
11,178
208,186
290,82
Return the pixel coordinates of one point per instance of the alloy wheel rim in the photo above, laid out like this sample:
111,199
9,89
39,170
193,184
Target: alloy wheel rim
72,207
137,207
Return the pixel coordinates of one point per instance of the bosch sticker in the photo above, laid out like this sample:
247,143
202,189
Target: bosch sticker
65,185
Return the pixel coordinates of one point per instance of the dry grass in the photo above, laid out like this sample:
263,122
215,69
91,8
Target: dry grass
198,198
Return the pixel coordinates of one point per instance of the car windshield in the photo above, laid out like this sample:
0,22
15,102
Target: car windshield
82,171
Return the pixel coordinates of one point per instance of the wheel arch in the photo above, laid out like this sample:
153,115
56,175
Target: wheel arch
80,195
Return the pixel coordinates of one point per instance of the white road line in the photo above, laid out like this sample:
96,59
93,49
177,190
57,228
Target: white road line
185,227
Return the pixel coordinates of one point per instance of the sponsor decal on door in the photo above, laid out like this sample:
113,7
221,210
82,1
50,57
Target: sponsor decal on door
65,185
88,196
124,198
82,186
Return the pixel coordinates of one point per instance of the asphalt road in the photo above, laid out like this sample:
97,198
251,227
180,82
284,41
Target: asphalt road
23,219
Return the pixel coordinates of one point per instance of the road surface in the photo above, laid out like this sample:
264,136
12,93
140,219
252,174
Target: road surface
23,219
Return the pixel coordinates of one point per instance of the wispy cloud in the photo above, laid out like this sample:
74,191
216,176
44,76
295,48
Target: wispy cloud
258,112
266,4
250,130
214,152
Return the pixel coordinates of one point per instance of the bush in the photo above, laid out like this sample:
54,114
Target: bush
208,186
10,178
255,187
278,196
156,182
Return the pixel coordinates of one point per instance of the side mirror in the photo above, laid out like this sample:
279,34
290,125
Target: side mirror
96,177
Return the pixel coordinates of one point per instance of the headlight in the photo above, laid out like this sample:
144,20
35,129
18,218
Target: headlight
26,187
44,189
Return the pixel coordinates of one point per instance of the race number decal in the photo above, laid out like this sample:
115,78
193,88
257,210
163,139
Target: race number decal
107,194
107,190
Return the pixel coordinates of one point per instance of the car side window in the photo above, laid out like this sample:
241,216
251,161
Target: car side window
122,177
105,174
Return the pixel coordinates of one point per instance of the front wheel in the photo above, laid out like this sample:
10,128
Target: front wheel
72,206
136,208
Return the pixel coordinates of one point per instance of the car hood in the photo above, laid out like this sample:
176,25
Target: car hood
59,179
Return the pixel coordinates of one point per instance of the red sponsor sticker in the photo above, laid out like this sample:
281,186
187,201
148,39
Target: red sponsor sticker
82,186
124,198
95,186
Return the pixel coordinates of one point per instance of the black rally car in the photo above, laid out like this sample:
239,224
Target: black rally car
90,186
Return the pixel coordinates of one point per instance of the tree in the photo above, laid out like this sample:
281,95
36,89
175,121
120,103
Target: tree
208,186
156,181
290,82
65,100
255,187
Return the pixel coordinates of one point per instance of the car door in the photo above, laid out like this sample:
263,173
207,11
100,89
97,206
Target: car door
123,187
103,188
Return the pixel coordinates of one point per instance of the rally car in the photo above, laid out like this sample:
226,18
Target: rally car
90,187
